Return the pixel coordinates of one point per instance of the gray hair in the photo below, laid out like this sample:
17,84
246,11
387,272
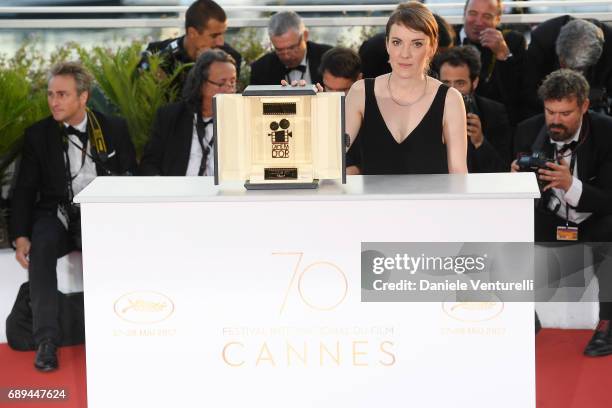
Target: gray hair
579,44
563,84
284,21
84,80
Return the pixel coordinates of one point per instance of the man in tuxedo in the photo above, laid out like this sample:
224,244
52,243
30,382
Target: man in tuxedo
576,203
205,27
182,142
294,57
488,128
567,42
61,155
501,53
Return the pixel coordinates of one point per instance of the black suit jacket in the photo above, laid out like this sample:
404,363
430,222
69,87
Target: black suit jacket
501,80
594,160
167,152
495,152
41,180
269,70
542,59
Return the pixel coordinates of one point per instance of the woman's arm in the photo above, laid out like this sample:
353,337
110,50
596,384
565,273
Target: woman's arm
353,110
455,132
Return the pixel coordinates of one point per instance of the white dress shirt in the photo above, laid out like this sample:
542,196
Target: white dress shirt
572,196
81,172
195,154
296,75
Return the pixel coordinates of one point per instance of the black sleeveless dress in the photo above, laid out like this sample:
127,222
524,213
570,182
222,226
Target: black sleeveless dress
422,152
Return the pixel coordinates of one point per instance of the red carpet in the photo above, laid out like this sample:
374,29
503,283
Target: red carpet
565,379
17,371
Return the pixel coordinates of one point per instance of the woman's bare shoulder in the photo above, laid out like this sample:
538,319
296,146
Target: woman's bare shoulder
358,86
453,96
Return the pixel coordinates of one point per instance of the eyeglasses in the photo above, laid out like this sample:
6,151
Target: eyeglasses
291,49
226,85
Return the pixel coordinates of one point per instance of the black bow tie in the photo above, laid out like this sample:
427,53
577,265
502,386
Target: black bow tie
83,137
568,147
301,68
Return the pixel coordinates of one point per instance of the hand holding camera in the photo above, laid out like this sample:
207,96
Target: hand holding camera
474,130
557,175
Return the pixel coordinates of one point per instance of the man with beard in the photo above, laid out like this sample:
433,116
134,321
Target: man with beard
576,202
488,129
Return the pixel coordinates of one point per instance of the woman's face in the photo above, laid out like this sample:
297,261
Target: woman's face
409,51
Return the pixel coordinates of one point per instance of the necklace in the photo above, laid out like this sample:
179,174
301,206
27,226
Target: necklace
405,104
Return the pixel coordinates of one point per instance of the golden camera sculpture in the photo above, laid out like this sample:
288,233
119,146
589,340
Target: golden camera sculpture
277,137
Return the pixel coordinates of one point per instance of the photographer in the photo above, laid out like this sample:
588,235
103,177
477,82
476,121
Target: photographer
576,202
488,128
567,42
182,137
205,27
61,155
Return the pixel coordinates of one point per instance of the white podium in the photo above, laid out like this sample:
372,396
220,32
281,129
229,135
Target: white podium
203,295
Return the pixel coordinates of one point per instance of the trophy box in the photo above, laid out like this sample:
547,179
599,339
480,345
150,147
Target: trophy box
278,137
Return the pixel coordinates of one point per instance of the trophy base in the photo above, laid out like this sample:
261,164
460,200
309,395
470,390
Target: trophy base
281,186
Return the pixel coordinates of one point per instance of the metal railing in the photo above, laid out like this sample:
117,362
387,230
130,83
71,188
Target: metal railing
338,15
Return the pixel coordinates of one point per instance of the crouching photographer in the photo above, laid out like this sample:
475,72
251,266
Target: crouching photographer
61,155
570,149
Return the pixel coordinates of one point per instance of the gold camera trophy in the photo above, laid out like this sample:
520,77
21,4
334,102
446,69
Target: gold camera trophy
277,137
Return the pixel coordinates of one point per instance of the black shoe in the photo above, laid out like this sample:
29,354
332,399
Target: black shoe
601,342
46,356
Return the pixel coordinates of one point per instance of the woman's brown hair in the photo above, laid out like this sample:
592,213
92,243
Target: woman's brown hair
415,16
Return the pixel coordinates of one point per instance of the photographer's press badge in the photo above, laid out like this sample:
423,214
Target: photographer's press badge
567,233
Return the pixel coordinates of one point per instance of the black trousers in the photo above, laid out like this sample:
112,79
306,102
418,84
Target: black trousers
50,241
595,232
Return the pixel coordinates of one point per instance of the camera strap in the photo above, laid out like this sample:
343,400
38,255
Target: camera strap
571,233
98,153
96,136
201,125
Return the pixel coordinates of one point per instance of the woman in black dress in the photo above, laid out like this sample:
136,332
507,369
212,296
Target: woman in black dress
408,122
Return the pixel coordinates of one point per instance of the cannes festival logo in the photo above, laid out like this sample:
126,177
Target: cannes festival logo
144,307
473,311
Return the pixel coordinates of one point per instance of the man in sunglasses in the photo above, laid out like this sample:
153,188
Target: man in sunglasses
293,58
181,142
